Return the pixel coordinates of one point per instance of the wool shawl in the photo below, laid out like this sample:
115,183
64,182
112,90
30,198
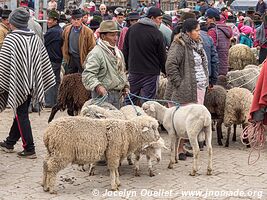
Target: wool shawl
25,69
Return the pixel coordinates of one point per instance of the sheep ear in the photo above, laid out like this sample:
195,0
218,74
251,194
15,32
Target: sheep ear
145,129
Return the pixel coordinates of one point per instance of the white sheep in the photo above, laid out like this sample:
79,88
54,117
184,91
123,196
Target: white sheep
237,106
81,140
127,112
191,122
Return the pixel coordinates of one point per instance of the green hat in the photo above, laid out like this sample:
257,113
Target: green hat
54,15
108,26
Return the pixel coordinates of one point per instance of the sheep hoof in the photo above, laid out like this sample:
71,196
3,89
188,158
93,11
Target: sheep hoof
137,172
130,162
209,172
193,173
220,143
46,189
170,165
53,192
92,173
151,173
115,188
226,145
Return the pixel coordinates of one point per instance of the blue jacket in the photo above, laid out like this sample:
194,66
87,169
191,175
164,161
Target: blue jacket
212,56
246,40
53,42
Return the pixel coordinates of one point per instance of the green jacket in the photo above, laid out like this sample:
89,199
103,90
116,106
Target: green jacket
100,68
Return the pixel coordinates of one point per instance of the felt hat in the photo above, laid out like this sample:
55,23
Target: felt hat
108,26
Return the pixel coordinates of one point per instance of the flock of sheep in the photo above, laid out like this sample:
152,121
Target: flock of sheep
104,132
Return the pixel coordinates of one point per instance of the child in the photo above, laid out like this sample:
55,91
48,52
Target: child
245,36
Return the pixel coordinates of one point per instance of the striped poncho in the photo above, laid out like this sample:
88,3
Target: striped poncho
25,69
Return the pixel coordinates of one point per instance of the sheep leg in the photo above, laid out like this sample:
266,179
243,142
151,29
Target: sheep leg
177,143
228,136
129,159
234,135
54,165
44,184
150,166
91,170
113,172
219,131
173,146
117,180
136,164
195,147
208,135
54,110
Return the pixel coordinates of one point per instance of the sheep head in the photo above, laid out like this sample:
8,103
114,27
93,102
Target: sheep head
149,128
149,109
153,150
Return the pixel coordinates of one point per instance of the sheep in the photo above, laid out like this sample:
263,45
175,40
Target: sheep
245,78
71,95
192,121
215,103
152,150
161,87
237,105
127,112
82,140
240,55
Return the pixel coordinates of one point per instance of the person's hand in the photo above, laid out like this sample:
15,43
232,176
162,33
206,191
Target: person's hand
101,90
125,91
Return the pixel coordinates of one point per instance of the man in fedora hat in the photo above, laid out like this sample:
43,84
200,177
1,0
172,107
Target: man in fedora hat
53,42
105,73
78,40
4,26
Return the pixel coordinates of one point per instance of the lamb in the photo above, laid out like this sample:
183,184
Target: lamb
245,78
237,105
151,151
192,121
71,95
215,103
241,55
67,141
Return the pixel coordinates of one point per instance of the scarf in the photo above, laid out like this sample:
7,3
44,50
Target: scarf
109,49
260,34
196,46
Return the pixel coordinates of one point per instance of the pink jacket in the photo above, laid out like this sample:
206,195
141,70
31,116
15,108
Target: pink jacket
122,37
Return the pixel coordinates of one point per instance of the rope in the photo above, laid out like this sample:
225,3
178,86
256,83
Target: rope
248,82
158,100
254,133
99,100
137,113
240,77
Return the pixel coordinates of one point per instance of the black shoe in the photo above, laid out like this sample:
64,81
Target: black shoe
27,154
182,156
7,148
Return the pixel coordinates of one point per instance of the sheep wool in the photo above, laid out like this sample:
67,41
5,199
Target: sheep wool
237,105
81,140
241,55
70,98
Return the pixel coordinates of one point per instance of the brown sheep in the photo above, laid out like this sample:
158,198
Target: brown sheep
71,95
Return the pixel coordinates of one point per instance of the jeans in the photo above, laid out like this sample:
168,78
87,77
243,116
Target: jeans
21,127
112,98
51,94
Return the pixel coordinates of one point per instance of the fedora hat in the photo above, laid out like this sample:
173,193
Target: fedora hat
132,16
108,26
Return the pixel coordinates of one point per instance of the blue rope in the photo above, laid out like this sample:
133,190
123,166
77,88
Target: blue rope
137,113
99,100
158,100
